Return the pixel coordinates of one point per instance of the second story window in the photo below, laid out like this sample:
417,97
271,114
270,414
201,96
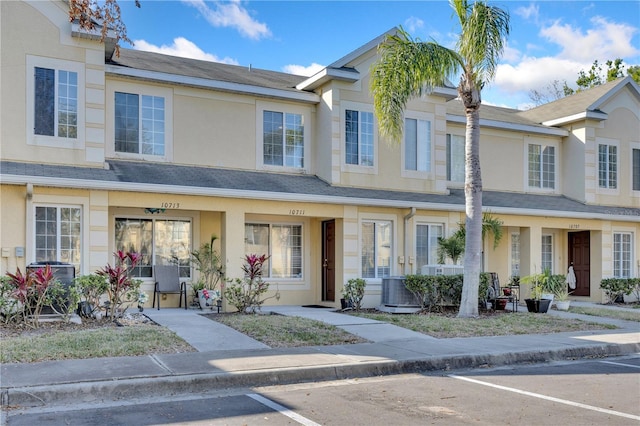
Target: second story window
417,145
359,138
607,166
283,139
635,163
455,158
542,166
56,103
139,124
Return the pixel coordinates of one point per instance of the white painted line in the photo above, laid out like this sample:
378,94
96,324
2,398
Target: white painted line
548,398
282,410
621,364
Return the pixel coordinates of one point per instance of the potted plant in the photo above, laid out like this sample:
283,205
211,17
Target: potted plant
537,303
562,298
208,263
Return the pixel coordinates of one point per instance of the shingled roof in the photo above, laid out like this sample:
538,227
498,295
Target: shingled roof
155,177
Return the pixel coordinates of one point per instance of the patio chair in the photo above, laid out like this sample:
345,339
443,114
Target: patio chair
168,282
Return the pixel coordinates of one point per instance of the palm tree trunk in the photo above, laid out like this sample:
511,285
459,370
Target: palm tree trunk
473,206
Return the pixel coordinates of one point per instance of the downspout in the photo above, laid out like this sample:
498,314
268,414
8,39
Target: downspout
408,217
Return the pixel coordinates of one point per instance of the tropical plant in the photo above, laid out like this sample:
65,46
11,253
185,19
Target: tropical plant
208,263
353,292
408,68
617,287
246,294
122,288
451,247
91,289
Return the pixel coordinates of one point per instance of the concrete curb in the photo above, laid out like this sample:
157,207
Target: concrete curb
162,386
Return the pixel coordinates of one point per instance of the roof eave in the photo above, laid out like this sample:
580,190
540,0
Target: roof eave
212,84
96,35
549,131
586,115
327,74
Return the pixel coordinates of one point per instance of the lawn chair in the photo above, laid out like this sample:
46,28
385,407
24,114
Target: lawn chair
499,297
168,282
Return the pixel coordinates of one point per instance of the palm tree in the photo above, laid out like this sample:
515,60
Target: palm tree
408,68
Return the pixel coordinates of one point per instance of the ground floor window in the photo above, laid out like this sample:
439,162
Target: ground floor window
515,255
58,234
622,255
376,248
283,244
159,241
547,253
427,235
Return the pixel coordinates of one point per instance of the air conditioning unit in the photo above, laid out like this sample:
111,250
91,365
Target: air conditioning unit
63,272
441,269
394,293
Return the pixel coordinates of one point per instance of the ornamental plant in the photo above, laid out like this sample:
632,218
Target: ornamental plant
353,292
122,287
246,294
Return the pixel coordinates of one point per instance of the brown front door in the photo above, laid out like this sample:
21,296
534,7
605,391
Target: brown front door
329,260
579,256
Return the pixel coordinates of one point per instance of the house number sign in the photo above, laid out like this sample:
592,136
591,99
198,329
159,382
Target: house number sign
168,205
296,212
574,226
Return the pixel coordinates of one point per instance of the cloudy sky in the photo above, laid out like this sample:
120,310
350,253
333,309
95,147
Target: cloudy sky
549,40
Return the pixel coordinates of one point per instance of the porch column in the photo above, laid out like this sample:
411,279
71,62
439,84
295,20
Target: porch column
530,255
232,241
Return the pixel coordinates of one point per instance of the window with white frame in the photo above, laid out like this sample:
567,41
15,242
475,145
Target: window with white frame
281,242
607,166
58,234
427,235
417,145
455,158
635,165
376,248
515,255
622,255
159,241
139,124
359,138
283,139
542,166
547,253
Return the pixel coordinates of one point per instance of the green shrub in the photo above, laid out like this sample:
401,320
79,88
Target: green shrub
246,294
353,292
616,287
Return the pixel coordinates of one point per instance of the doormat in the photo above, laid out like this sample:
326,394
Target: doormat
316,306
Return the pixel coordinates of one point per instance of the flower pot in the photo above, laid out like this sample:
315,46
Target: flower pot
501,304
547,296
205,303
563,305
538,306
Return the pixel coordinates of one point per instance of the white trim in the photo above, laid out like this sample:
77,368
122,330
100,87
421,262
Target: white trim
57,65
342,62
511,126
378,218
607,190
543,143
593,115
357,168
632,146
633,264
212,84
327,74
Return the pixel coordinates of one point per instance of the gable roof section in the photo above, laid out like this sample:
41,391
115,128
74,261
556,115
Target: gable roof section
187,180
581,105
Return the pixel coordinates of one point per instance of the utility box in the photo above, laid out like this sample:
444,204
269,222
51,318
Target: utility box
63,272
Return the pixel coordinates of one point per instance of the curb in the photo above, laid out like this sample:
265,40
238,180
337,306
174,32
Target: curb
163,386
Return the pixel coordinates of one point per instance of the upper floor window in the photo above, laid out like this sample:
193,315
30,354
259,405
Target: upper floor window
376,248
281,242
455,158
427,243
359,137
159,241
622,255
635,165
607,166
542,166
55,102
417,145
283,139
139,124
58,234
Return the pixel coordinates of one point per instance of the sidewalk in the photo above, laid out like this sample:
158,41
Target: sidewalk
227,358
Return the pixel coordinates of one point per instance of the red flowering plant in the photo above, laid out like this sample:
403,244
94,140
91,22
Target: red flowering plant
246,294
27,294
122,288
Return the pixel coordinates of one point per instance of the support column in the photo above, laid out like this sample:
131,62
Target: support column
232,241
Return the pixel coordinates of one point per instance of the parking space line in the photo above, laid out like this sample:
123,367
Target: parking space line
548,398
282,410
621,364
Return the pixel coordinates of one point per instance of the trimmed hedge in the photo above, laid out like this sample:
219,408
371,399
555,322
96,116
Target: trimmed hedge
438,291
617,287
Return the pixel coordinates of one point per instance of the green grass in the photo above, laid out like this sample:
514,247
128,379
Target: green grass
608,313
93,343
500,324
278,331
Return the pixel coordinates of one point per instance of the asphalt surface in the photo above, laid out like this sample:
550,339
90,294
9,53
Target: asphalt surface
228,359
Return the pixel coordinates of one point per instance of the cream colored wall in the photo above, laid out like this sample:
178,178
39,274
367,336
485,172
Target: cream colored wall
46,40
573,164
13,202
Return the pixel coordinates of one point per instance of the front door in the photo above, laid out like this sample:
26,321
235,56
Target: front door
329,260
579,256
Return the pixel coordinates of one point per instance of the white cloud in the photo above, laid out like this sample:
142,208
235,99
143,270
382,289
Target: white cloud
412,24
302,70
231,14
604,40
531,11
511,54
536,73
183,48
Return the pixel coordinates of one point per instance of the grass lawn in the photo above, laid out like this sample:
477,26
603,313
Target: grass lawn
609,313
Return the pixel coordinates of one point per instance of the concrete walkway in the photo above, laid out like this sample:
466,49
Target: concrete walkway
226,358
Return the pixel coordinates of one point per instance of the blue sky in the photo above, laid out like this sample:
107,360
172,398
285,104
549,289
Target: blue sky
549,39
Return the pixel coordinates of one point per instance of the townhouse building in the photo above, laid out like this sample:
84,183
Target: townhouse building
154,154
